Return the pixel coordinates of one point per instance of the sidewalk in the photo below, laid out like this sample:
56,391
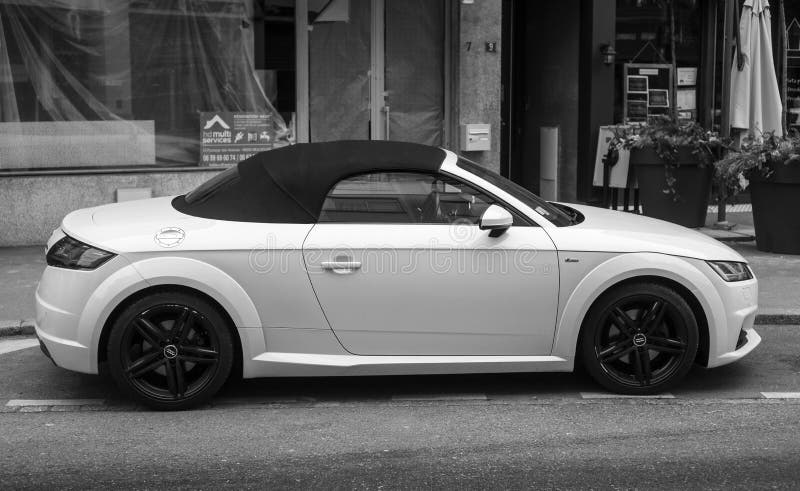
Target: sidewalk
778,275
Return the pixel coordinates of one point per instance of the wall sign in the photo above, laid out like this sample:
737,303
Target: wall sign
687,76
230,137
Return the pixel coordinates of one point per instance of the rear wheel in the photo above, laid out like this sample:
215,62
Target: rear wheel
170,350
639,339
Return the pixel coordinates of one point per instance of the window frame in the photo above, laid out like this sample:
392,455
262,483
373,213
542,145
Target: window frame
517,214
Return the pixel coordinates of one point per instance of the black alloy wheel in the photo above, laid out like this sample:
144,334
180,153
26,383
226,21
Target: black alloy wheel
170,351
639,339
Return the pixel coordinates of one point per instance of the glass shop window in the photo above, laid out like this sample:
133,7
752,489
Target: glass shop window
650,36
112,83
792,68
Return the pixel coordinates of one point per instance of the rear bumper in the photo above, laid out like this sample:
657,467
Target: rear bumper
64,352
64,298
45,351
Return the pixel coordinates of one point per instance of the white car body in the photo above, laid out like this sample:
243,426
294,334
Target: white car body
295,318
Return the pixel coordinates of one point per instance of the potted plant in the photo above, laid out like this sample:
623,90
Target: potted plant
770,166
672,161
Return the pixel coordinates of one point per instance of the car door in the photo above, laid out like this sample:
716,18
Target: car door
400,267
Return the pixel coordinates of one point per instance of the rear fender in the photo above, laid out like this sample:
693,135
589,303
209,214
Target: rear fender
181,271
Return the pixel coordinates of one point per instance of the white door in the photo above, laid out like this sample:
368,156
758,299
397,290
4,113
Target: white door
400,267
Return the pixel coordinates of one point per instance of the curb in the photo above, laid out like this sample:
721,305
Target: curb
777,319
17,328
25,327
744,238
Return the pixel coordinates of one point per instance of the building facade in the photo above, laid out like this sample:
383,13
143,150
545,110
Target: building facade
104,100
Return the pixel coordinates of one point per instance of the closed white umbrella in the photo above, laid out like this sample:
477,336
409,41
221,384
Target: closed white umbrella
755,98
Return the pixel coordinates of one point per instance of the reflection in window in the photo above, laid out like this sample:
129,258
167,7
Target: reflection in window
127,78
655,31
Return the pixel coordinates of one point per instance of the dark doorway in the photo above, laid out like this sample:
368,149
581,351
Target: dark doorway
543,79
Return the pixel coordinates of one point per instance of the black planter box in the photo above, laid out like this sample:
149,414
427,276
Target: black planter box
776,210
689,205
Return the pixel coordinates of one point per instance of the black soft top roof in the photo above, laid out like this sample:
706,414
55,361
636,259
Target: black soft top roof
289,185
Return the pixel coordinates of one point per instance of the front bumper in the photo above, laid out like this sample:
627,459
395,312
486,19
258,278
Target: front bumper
739,302
752,339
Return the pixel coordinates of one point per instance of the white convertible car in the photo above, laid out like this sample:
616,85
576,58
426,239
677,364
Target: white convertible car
376,258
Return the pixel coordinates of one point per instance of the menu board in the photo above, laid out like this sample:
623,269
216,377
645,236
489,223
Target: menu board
648,91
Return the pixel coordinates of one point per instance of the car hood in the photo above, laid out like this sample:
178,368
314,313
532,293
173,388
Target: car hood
154,225
132,225
615,231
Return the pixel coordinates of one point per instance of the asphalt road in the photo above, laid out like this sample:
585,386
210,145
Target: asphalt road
490,431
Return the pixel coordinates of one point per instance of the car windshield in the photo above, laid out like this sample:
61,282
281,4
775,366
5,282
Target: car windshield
208,188
537,204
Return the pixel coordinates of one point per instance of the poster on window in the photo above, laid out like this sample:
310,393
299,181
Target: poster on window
230,137
647,91
793,96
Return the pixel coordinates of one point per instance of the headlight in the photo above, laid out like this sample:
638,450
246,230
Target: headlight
731,271
73,254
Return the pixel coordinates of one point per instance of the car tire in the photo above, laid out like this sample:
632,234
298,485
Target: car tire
170,350
639,339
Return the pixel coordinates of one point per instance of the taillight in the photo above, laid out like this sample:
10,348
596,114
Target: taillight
74,254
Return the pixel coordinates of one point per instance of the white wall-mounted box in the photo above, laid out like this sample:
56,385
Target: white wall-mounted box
476,137
132,194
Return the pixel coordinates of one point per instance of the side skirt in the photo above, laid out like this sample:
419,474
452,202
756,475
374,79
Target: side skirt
277,364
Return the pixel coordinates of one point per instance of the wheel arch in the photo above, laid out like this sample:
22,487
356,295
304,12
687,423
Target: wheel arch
674,272
171,288
697,309
168,272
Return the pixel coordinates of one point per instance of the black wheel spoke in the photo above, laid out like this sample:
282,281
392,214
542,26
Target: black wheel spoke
145,365
623,321
182,326
638,366
180,377
644,357
614,356
666,345
199,352
665,349
149,331
172,379
654,317
198,360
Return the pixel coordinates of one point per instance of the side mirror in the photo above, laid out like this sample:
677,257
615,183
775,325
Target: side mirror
496,220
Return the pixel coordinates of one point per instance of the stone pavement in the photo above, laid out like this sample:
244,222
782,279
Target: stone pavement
778,275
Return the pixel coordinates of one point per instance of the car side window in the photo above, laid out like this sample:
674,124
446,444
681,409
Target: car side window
405,197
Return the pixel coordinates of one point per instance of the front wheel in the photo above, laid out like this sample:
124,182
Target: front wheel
170,350
639,339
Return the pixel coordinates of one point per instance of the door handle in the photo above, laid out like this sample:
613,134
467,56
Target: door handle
341,266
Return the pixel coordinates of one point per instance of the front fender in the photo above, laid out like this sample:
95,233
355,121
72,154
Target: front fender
627,266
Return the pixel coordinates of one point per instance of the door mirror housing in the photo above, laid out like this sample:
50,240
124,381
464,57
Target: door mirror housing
496,220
